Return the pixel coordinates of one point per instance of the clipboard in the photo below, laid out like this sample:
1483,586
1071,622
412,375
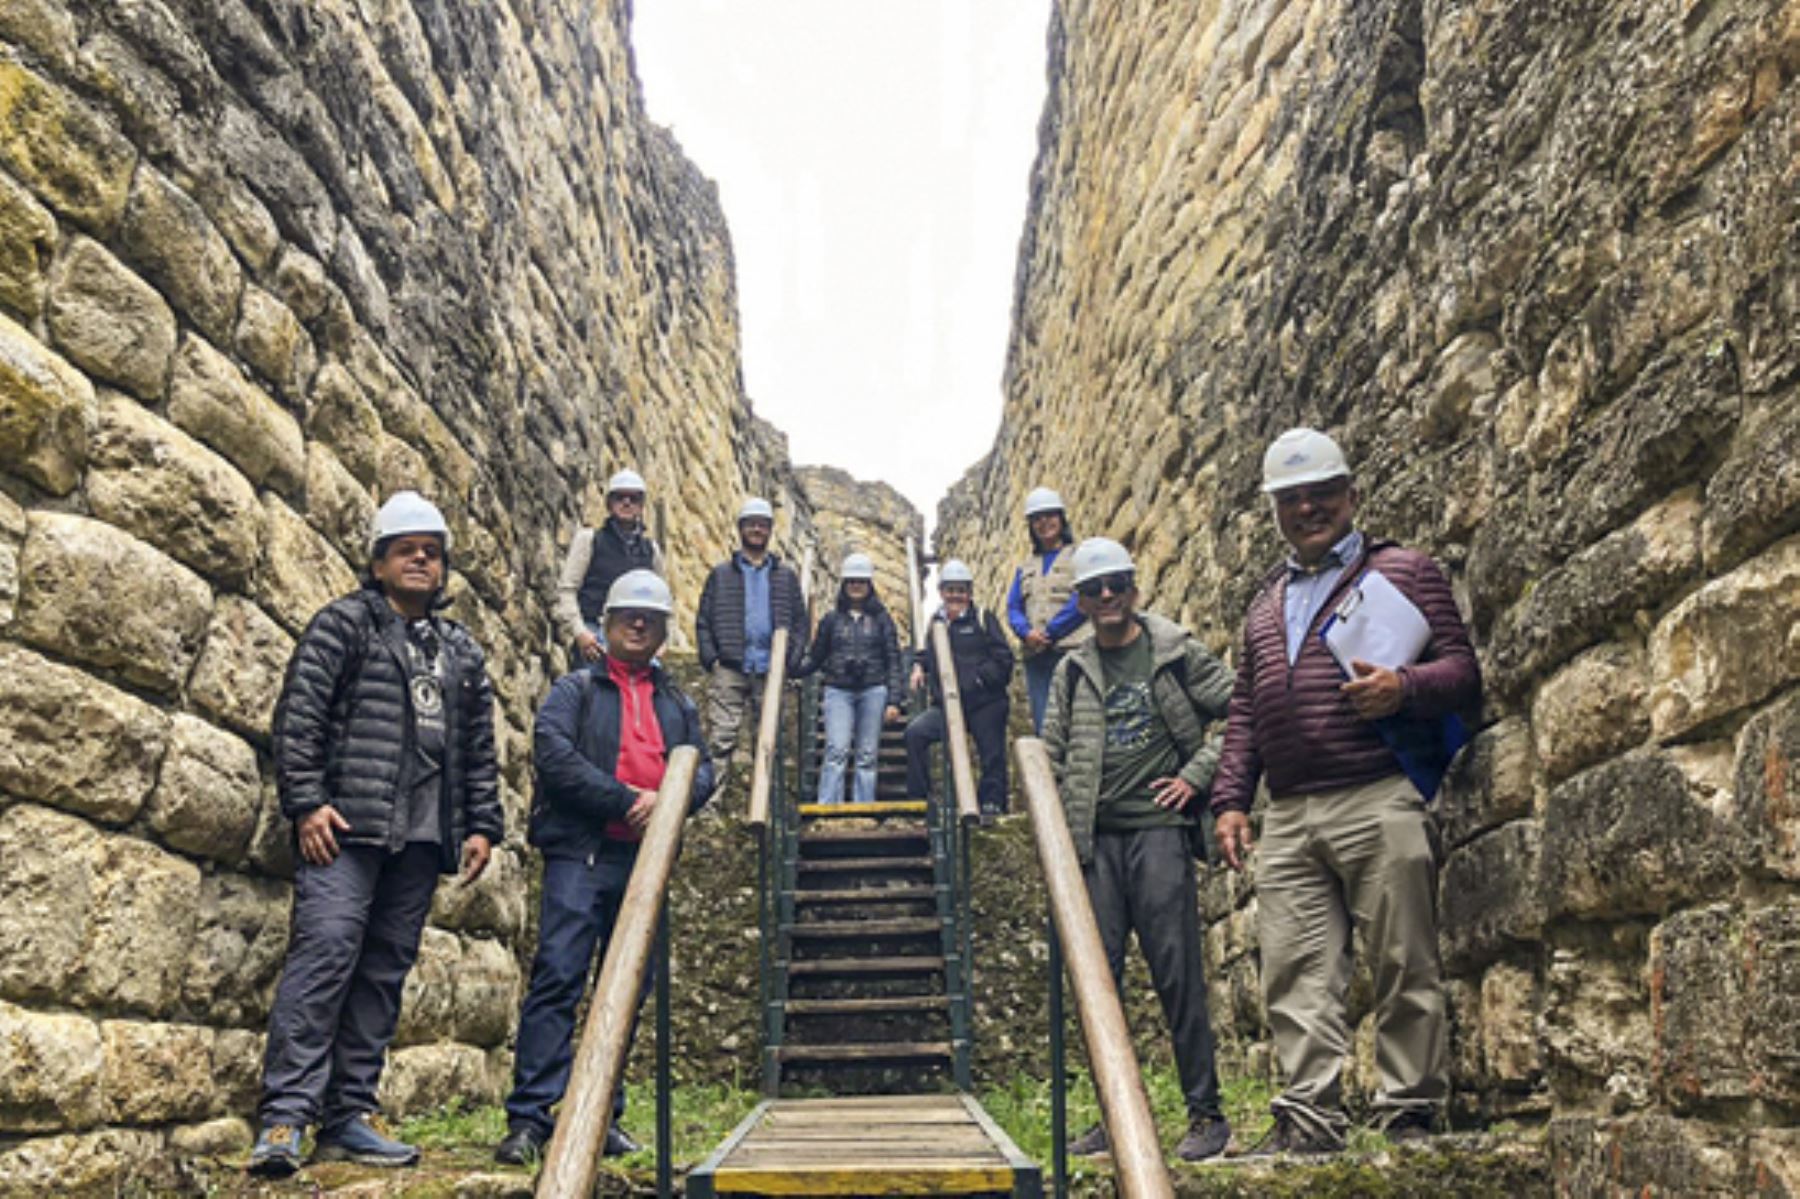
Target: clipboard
1375,623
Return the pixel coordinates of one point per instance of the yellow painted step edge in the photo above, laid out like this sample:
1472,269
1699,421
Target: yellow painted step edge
892,807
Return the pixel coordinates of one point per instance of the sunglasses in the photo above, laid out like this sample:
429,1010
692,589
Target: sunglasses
1118,584
631,498
634,616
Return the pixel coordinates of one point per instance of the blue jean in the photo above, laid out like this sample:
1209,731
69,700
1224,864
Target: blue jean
576,912
1038,669
852,721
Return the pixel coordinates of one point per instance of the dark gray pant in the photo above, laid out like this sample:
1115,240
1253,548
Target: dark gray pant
987,724
1143,882
355,935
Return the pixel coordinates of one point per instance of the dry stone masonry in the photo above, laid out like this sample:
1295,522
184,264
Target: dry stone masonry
261,263
1538,265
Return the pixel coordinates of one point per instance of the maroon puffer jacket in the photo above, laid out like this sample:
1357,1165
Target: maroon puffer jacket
1294,721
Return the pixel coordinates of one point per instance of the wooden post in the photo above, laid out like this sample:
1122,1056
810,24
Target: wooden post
768,728
1124,1105
574,1153
955,728
914,594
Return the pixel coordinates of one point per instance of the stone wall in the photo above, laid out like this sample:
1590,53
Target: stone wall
262,262
1537,264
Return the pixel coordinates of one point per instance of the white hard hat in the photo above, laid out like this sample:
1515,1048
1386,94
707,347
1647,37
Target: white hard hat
407,512
755,507
955,571
641,589
1302,456
1101,556
626,480
1042,499
857,566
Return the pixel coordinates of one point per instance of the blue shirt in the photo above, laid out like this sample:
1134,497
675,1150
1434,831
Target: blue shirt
759,621
1308,589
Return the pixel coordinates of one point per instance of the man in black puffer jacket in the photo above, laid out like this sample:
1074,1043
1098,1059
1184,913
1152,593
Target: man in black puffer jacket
384,761
984,669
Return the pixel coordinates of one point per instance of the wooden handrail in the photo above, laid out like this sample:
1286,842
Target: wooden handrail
955,728
768,730
1124,1105
574,1153
915,601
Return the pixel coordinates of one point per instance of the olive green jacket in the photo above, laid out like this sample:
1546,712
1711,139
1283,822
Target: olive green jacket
1191,687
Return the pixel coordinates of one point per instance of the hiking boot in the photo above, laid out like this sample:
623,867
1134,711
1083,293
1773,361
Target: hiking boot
360,1142
1408,1128
1091,1143
521,1146
1288,1137
618,1142
1206,1137
276,1153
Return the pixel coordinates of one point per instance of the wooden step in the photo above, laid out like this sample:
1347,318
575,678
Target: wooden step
840,811
817,837
863,1051
894,865
849,967
867,928
887,1005
869,895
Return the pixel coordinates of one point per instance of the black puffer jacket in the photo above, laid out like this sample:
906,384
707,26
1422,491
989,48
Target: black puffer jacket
853,654
344,731
719,624
984,660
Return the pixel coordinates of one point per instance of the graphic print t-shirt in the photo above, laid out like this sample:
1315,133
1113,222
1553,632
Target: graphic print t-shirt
425,680
1139,748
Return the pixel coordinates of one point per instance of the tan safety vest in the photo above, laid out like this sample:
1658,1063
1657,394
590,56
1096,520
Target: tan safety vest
1045,594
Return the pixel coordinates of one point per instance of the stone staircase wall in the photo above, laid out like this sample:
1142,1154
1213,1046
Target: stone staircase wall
1537,264
262,262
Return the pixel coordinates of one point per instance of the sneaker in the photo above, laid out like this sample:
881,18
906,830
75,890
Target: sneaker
1206,1137
1408,1128
360,1142
618,1142
521,1146
276,1153
1288,1137
1091,1143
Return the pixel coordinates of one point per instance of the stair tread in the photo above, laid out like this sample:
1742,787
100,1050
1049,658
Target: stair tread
867,928
885,865
867,1007
862,1051
840,811
850,836
870,895
920,964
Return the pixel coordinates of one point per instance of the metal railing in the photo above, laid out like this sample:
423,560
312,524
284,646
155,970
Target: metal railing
573,1157
1124,1106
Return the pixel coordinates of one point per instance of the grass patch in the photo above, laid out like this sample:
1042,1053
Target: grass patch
1022,1108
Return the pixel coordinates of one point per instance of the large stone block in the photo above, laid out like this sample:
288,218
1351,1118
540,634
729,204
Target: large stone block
50,1069
1491,782
238,677
48,864
1597,1035
1571,606
70,740
171,239
301,573
493,904
272,848
27,239
97,1163
46,412
62,150
141,914
1631,838
1772,1001
210,398
488,988
428,1005
240,942
157,1073
206,798
344,418
1697,1007
1509,1041
1490,898
96,594
269,337
108,321
237,1067
1593,708
1730,644
425,1077
337,504
1767,791
157,483
1754,496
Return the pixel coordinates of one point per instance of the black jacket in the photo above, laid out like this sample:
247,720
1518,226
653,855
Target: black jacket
853,654
344,729
984,659
575,749
719,624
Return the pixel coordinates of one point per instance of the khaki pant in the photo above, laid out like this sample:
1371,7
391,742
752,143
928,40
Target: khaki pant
729,694
1358,857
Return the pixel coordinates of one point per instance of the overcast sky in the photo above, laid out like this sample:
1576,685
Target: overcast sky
873,158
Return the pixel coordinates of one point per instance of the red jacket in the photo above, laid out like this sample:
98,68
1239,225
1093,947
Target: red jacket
1293,721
